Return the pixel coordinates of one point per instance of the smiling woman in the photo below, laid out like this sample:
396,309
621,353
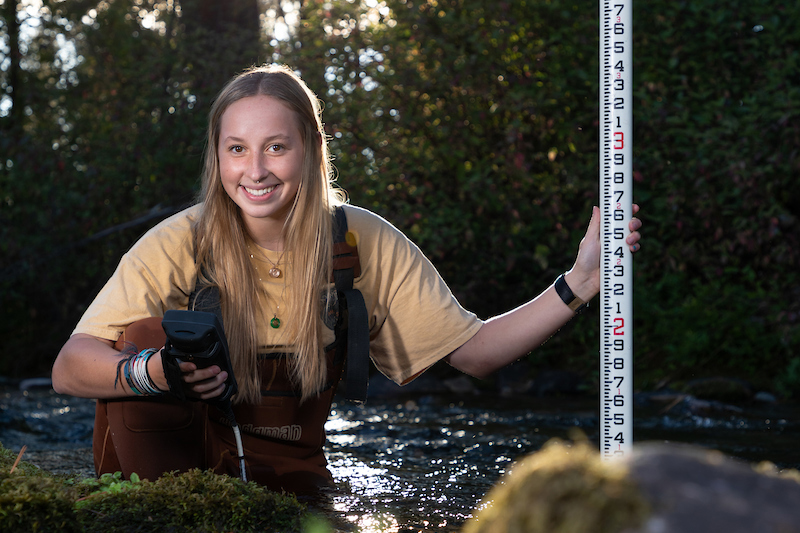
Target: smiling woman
261,161
346,283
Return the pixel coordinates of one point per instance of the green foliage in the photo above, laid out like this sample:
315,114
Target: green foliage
789,381
33,500
459,123
106,484
112,138
717,129
726,330
472,127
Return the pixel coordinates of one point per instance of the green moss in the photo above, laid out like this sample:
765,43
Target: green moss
562,489
35,503
199,501
33,500
7,459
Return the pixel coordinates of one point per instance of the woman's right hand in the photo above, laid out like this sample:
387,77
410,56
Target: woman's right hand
203,383
87,367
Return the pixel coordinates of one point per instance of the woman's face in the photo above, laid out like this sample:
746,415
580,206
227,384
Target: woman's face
260,159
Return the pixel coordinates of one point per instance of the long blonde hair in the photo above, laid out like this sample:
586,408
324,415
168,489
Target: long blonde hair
221,239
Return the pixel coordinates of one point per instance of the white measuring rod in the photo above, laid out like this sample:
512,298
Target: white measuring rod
616,192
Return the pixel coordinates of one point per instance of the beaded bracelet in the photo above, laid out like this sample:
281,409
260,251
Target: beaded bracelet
137,375
127,371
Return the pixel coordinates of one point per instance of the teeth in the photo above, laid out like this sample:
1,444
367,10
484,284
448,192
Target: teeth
260,192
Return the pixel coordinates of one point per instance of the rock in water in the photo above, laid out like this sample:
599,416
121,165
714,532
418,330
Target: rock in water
692,489
562,489
658,488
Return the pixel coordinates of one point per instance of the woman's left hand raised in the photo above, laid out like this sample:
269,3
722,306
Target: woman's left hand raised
632,240
584,277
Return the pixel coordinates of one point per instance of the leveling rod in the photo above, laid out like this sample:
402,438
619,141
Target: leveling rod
616,192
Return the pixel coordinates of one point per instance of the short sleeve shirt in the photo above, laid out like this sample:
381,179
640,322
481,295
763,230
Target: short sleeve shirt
414,319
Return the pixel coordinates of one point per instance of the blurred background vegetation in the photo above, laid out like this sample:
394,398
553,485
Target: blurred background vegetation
470,124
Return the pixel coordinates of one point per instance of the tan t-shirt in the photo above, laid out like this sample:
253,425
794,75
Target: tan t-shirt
414,320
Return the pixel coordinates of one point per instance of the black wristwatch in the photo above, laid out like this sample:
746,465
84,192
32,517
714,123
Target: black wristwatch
572,301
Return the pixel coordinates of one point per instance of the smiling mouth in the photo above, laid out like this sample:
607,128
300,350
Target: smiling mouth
259,192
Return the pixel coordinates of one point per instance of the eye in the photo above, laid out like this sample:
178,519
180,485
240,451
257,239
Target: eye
276,148
236,149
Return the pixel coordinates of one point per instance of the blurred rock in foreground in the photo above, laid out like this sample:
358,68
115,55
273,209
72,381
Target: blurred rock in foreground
658,488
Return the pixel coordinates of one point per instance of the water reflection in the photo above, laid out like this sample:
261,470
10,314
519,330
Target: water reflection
44,420
427,463
424,464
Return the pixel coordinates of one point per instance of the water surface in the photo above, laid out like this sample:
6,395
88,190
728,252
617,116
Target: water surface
423,463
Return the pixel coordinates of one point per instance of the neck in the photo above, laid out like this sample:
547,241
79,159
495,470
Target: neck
267,234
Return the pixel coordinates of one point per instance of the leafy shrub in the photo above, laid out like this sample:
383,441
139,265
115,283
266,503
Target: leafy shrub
789,381
472,127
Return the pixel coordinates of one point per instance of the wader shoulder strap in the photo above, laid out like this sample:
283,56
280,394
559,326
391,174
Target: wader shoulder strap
353,309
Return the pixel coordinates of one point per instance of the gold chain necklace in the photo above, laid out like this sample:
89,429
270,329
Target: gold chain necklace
273,272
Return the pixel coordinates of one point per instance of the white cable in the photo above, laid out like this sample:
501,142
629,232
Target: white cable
240,451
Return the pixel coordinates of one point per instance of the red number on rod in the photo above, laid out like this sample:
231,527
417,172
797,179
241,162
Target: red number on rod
619,140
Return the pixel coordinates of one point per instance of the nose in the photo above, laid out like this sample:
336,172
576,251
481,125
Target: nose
257,167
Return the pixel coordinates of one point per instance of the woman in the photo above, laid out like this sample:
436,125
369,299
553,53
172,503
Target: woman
262,241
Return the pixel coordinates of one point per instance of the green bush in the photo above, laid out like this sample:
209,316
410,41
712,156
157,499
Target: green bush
474,128
113,139
789,381
470,125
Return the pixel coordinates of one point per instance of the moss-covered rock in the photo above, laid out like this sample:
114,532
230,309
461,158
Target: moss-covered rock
562,489
33,500
8,458
33,503
669,488
198,501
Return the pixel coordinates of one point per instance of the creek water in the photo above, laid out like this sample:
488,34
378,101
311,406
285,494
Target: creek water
424,463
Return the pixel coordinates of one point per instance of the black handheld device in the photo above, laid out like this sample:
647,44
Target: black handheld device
196,337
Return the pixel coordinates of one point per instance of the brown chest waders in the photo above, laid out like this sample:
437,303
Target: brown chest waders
283,438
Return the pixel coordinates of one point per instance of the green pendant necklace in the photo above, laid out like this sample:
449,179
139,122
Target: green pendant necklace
274,272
